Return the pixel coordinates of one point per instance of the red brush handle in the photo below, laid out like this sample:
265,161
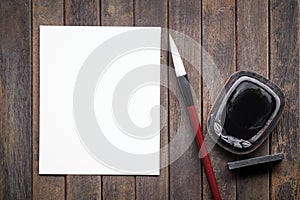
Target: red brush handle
204,154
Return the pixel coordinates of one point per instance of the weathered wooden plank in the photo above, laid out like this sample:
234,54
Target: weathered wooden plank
154,13
82,13
117,13
252,55
118,187
15,100
185,173
252,36
44,12
219,42
83,187
284,29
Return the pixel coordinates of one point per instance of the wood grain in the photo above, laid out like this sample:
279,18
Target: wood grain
15,100
185,173
82,13
44,13
285,73
83,187
118,187
242,35
156,187
218,21
252,55
118,13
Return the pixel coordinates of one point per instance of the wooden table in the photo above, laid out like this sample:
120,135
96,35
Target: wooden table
256,35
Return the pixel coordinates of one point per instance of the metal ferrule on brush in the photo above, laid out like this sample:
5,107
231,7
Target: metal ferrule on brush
185,89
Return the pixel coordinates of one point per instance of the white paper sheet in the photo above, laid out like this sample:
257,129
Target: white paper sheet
85,73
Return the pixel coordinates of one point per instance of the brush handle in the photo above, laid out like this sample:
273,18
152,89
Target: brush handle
186,92
204,154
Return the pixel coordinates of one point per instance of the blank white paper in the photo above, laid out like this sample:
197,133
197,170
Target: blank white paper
73,104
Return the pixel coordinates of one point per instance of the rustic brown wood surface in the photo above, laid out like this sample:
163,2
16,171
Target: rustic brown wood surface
284,71
257,35
15,100
252,54
219,40
185,173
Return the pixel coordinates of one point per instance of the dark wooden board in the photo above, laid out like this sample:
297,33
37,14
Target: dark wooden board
155,187
82,13
284,47
83,187
252,55
118,187
15,100
260,36
218,21
118,13
185,173
44,13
